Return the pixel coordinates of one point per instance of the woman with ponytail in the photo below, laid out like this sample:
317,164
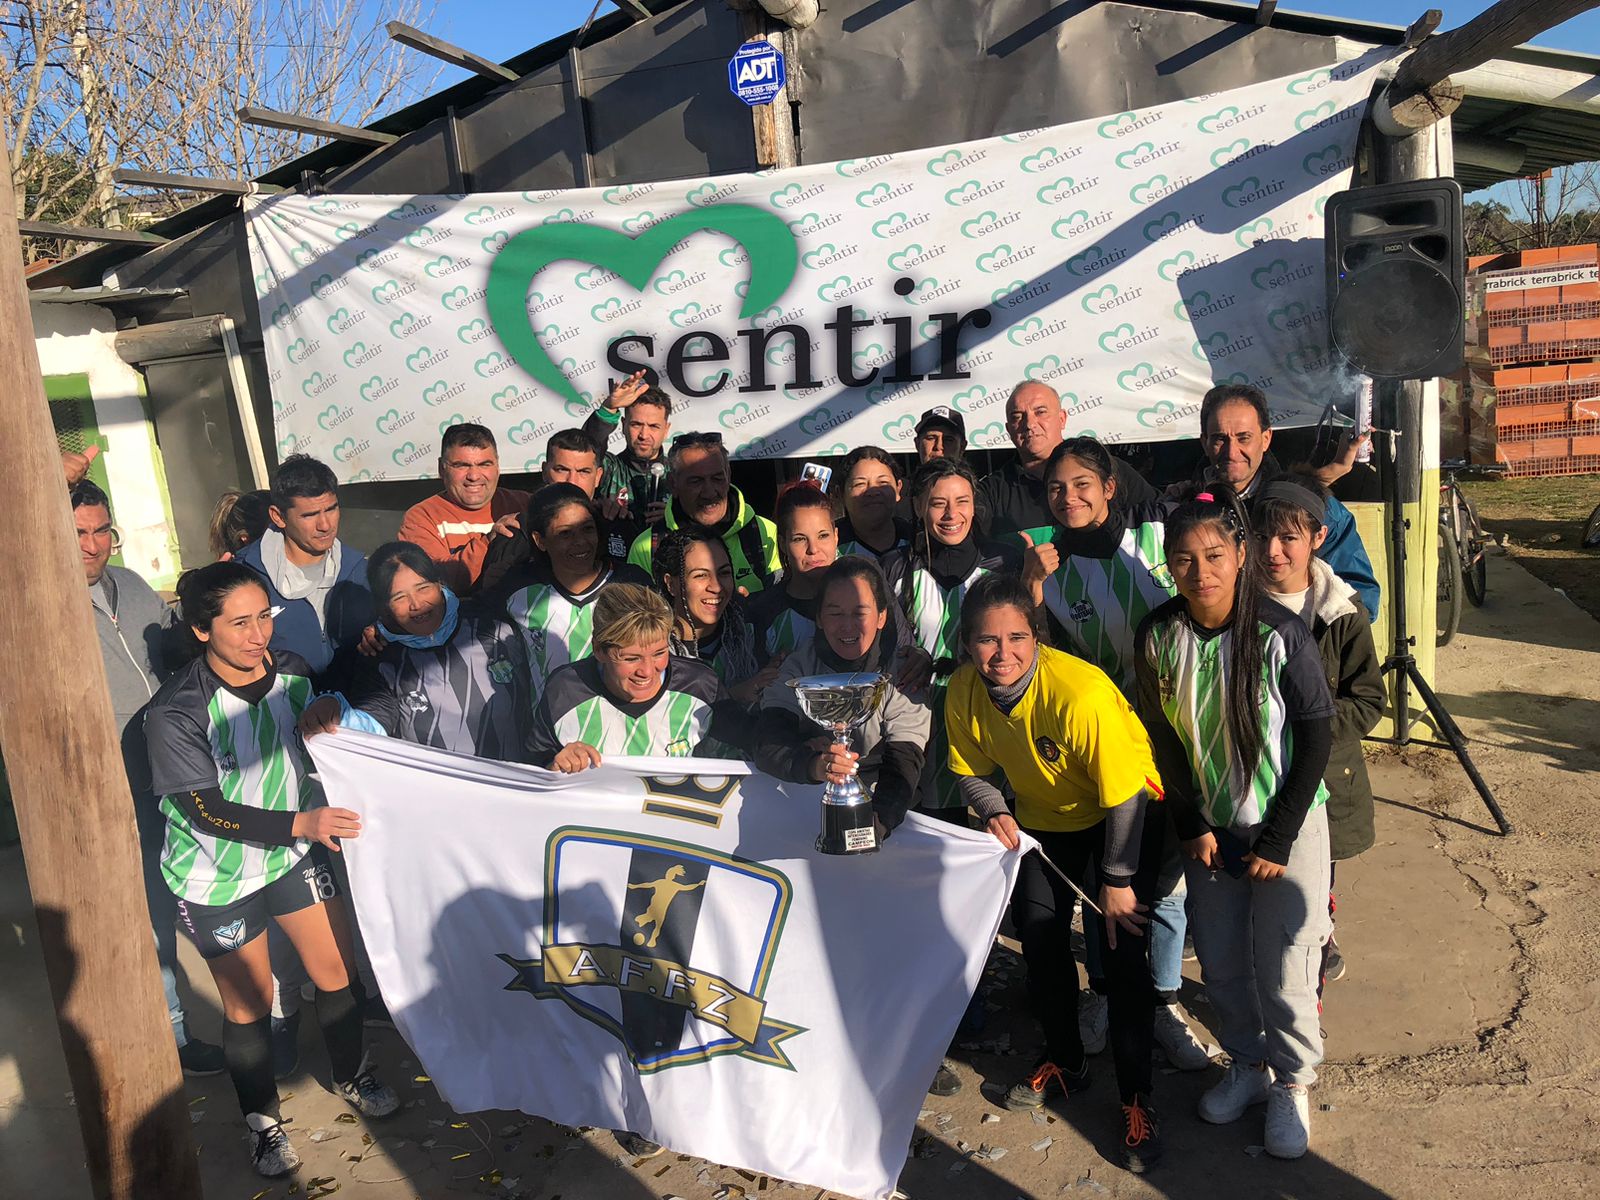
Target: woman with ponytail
1239,713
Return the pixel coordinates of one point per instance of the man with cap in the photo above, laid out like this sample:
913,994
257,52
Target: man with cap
941,433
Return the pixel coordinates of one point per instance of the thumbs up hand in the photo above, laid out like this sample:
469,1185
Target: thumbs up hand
1039,562
76,465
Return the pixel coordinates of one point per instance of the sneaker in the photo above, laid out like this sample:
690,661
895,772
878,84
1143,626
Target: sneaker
1241,1087
201,1058
1032,1092
1141,1137
273,1155
285,1045
368,1095
945,1081
1288,1119
1333,966
1182,1049
636,1146
375,1013
1094,1020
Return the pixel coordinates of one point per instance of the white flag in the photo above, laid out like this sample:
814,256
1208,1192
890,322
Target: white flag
655,946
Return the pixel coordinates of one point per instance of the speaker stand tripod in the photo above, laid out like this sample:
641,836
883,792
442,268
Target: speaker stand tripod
1401,662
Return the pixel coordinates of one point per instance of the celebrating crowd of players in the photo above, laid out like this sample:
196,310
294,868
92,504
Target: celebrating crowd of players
1166,691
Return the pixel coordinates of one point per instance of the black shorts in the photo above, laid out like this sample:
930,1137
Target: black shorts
221,929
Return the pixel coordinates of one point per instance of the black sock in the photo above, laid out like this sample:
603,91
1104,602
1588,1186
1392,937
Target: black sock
247,1049
340,1018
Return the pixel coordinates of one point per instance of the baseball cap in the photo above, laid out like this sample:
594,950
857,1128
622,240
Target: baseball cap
941,414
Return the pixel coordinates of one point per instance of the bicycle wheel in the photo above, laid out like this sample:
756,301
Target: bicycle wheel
1474,562
1448,606
1591,530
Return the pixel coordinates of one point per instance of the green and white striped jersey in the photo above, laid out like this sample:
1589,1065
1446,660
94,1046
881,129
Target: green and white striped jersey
932,607
1191,670
557,625
202,734
1109,580
577,708
781,623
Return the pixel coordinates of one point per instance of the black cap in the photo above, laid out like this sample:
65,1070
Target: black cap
940,414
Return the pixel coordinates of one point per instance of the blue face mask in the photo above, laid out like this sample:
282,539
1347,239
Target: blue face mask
438,637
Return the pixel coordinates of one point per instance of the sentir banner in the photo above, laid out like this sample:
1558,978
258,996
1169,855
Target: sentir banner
1129,262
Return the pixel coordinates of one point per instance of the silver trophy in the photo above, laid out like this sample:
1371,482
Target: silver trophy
842,704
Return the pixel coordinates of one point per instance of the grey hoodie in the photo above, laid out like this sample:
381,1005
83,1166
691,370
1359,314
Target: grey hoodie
134,625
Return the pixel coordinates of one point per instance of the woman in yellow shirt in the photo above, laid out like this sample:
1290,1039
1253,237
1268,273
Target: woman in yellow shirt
1079,762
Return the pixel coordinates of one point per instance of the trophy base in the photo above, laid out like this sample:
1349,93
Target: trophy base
847,829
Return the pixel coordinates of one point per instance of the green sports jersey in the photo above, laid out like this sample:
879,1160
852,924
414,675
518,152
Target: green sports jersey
1192,672
1098,602
202,735
933,611
577,708
557,625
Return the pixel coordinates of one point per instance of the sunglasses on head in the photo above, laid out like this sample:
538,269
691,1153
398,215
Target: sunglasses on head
693,441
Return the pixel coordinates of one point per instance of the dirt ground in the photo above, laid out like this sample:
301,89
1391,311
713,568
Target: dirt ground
1539,523
1464,1045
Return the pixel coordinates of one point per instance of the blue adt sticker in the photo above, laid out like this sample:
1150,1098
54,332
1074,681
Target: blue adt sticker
756,72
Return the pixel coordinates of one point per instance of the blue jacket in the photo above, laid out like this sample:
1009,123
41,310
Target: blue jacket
1342,550
348,611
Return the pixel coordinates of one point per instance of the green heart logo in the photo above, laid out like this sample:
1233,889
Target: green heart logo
1214,341
1231,195
1329,160
1155,230
416,363
1150,417
1112,126
434,393
403,452
355,352
469,332
874,195
501,400
685,315
969,229
311,383
812,421
1078,263
811,258
1067,225
1128,380
323,207
493,243
1171,268
1044,368
384,290
419,236
1313,116
345,450
370,386
1208,123
452,419
347,231
1017,335
1304,361
990,262
1053,193
958,196
1034,163
1261,278
1125,160
1110,337
887,227
297,349
1229,152
400,322
485,365
438,266
1099,297
1281,318
1257,231
700,194
1011,289
901,256
730,416
1185,309
833,287
941,166
766,239
1140,192
406,210
784,195
327,416
479,215
340,315
970,399
1307,83
900,430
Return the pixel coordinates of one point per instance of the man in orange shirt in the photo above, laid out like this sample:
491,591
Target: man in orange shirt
455,527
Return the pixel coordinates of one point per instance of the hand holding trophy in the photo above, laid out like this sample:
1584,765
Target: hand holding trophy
841,704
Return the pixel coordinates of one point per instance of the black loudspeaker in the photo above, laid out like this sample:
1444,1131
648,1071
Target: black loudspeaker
1396,286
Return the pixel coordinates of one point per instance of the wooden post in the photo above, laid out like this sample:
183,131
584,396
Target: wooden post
72,801
771,123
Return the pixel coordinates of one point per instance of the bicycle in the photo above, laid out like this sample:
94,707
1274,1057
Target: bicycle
1463,565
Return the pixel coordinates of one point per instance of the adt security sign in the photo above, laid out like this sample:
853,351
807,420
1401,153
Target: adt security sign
755,72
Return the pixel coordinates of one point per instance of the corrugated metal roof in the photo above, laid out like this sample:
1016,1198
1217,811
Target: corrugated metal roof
1553,137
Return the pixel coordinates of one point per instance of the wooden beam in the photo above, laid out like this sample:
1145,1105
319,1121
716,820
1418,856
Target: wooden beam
85,233
295,123
192,183
409,35
1422,27
1264,12
1508,23
62,742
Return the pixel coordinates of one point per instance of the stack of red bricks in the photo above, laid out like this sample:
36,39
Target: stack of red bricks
1541,324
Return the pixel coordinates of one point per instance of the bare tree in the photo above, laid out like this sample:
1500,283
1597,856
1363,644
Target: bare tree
1560,205
90,85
